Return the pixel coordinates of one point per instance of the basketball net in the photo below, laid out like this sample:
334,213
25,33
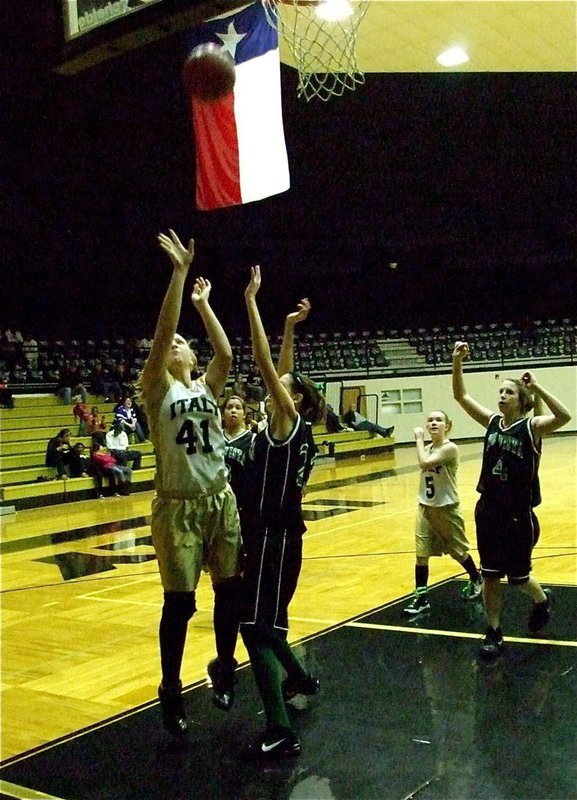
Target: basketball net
325,52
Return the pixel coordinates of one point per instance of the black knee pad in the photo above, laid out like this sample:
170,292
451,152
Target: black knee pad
179,605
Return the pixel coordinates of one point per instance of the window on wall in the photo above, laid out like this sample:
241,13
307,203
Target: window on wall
402,401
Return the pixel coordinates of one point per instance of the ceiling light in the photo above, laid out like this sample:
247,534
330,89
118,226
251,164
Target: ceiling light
453,57
334,10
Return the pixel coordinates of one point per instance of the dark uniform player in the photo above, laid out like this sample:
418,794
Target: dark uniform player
507,528
279,464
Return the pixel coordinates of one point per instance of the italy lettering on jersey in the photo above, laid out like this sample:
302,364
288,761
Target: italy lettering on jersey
438,486
188,440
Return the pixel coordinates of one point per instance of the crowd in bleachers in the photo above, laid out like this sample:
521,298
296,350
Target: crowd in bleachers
110,367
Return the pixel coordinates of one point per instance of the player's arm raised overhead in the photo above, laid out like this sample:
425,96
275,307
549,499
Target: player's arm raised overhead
284,403
181,258
219,365
474,409
286,357
447,452
542,423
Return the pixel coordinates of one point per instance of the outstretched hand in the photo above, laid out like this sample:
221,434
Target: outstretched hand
200,291
180,256
302,313
461,350
254,285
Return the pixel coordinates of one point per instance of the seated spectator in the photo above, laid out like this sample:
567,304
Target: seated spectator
80,411
120,381
69,381
254,389
6,396
79,462
250,421
105,464
58,453
333,423
357,422
97,426
30,351
102,384
126,414
117,444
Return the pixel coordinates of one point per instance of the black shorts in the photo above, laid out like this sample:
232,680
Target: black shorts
273,559
505,538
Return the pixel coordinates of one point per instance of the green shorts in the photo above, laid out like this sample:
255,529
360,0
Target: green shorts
441,530
196,534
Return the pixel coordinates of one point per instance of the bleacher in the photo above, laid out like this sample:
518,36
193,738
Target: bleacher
25,481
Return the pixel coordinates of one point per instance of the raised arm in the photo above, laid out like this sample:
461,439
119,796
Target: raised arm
286,357
474,409
284,404
219,365
544,424
446,453
181,258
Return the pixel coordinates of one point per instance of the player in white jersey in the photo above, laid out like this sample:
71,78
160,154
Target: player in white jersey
440,527
194,515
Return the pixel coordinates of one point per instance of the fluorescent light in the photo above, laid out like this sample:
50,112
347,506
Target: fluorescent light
453,57
334,10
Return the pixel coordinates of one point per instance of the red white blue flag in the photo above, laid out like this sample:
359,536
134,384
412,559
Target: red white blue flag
240,146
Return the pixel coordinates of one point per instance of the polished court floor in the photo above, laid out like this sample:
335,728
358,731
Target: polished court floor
405,708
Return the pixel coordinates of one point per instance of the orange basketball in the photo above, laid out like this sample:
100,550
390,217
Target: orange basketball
208,72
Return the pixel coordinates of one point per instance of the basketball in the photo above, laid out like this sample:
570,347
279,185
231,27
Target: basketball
208,72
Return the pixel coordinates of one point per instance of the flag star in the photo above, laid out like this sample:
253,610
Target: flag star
230,39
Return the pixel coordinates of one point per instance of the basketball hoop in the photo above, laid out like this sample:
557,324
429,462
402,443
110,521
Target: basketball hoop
324,49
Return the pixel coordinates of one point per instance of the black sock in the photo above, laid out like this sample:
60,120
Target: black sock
469,565
226,618
421,576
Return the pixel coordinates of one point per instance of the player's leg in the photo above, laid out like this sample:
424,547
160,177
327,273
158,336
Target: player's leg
224,563
458,547
423,550
525,535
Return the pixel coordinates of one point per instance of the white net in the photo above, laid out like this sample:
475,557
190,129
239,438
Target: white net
325,51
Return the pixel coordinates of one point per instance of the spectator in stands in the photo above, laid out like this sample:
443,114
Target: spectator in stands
79,462
250,421
333,423
120,381
117,444
129,420
105,464
357,422
81,413
58,453
102,385
254,385
30,351
238,387
6,397
97,426
69,381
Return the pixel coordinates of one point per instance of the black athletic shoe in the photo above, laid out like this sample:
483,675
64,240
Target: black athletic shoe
222,681
272,745
307,685
173,714
418,604
492,645
541,613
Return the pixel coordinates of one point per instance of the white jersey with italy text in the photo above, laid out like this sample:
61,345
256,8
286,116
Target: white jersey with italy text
188,440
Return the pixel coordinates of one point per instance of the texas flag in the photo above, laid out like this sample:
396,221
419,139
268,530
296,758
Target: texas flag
240,147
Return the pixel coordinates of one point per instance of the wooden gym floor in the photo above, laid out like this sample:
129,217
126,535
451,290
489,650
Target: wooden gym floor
405,707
